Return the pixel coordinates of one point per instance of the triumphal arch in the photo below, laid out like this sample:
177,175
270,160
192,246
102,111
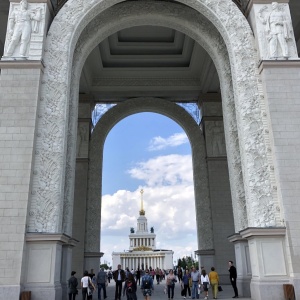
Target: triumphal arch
237,61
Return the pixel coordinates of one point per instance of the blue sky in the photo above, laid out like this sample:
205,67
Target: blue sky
152,152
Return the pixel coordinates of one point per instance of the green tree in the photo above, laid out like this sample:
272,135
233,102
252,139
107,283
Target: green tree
188,262
105,266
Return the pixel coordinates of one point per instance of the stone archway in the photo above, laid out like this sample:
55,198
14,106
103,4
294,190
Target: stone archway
213,26
55,112
195,135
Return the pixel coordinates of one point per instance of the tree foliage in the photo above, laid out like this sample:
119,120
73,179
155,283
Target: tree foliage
187,262
105,266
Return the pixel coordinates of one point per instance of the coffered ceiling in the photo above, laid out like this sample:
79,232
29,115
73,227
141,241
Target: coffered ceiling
149,60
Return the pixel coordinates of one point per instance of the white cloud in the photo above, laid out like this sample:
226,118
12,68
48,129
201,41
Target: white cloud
164,170
168,202
159,143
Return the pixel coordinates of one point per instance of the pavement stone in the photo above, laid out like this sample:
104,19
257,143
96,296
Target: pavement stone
159,294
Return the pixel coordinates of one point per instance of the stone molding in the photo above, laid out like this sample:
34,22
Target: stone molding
252,232
146,82
236,238
93,254
73,32
46,237
267,64
205,252
219,158
22,64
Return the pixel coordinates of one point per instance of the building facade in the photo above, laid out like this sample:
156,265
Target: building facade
142,252
237,60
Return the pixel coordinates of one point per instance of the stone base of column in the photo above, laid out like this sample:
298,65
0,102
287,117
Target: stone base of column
45,258
41,291
261,290
268,262
10,292
92,261
243,265
206,259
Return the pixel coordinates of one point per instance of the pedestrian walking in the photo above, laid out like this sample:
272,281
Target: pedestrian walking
233,276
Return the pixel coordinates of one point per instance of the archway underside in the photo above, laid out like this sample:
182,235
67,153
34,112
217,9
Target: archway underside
240,107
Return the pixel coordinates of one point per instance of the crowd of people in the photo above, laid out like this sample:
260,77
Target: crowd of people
193,282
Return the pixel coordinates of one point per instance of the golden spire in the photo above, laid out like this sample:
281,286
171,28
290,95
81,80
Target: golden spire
142,212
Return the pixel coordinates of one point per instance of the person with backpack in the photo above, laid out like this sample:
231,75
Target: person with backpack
147,285
130,288
101,282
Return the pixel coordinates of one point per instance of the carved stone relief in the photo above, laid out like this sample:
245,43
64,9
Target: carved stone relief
25,30
275,34
58,115
83,140
215,138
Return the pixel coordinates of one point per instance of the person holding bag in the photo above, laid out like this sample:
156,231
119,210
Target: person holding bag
205,283
214,281
85,283
170,284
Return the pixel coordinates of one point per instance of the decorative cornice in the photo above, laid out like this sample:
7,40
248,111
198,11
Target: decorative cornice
142,248
93,254
236,238
212,118
205,252
51,237
22,64
252,232
219,158
146,82
265,64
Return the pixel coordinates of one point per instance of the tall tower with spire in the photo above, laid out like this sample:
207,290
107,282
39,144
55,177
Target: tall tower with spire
142,239
142,251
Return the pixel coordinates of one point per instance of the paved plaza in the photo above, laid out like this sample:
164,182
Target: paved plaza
159,292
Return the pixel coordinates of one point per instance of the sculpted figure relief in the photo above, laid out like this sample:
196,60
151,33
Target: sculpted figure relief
20,26
278,30
216,138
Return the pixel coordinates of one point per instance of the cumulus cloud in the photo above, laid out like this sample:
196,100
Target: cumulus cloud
160,143
164,170
168,201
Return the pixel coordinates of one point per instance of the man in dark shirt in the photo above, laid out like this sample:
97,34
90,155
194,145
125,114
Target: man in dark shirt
233,276
119,276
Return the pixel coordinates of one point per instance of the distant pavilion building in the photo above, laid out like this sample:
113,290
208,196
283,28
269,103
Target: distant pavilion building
142,251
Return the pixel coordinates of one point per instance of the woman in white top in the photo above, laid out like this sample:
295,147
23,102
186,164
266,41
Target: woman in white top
205,282
85,282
